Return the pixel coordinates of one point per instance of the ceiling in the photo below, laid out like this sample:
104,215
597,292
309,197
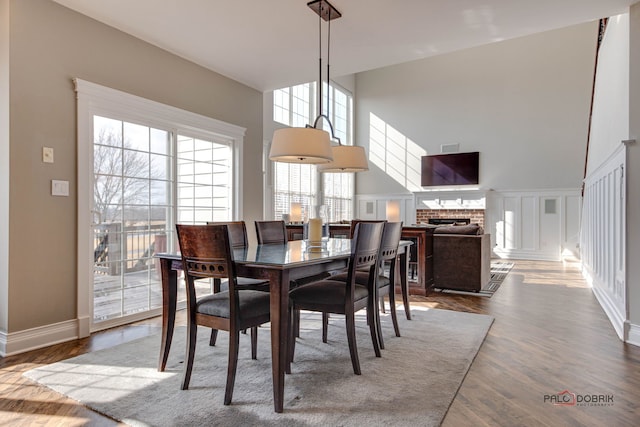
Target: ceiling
272,44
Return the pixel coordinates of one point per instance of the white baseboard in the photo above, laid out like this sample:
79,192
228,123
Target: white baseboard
531,255
610,308
634,335
32,339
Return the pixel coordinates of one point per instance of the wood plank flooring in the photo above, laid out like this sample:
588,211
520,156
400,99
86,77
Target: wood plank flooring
549,335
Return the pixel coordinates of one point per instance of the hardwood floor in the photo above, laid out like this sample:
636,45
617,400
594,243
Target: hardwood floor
549,335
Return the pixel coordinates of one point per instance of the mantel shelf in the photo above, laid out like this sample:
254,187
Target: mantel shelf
451,199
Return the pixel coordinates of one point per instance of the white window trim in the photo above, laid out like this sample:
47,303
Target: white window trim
94,99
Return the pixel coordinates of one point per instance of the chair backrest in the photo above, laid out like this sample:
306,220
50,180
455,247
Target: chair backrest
390,241
355,222
271,232
237,232
365,247
206,251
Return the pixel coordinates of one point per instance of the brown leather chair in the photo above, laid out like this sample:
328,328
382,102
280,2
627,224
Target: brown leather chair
332,296
387,254
207,253
269,232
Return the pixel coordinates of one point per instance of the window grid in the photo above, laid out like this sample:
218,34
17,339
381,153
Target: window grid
204,181
134,170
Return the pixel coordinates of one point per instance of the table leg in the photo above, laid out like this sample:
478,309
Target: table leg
279,291
404,286
169,297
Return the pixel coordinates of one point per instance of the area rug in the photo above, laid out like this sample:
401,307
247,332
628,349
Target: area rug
413,383
499,271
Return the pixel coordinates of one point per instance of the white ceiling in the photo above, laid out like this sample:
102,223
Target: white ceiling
271,44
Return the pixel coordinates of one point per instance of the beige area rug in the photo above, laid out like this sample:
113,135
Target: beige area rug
412,384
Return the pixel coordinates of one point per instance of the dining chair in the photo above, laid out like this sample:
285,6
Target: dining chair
269,232
207,253
238,239
387,257
275,232
333,296
412,256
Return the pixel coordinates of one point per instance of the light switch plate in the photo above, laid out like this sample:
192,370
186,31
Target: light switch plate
47,154
59,188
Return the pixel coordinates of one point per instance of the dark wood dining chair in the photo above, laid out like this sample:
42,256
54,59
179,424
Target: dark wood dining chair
271,232
387,256
412,256
337,297
207,253
275,232
238,239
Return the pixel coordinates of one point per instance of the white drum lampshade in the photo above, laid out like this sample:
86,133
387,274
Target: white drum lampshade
301,145
346,158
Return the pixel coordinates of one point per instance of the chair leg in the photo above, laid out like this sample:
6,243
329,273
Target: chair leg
296,322
192,331
405,300
351,337
293,313
325,326
373,318
254,342
377,323
394,317
234,343
214,336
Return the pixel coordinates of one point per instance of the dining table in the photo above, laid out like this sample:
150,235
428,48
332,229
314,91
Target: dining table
279,264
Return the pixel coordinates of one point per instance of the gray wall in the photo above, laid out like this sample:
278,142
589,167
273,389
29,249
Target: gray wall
50,45
523,103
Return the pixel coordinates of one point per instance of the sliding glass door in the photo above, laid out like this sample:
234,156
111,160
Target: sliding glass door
143,167
132,211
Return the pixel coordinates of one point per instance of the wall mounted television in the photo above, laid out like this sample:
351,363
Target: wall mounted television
450,169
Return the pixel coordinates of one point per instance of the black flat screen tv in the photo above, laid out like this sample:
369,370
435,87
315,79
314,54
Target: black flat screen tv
450,169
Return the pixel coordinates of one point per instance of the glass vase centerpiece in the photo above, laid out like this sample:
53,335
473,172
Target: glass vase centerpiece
316,229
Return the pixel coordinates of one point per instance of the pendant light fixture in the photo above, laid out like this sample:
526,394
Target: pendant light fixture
312,144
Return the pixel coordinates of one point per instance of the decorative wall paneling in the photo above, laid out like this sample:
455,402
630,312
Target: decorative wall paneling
535,224
602,239
374,206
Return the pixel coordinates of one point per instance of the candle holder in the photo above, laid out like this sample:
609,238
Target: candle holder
315,231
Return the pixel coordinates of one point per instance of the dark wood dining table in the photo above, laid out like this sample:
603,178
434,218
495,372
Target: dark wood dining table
279,264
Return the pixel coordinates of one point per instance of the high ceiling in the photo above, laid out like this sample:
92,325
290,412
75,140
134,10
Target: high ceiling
271,44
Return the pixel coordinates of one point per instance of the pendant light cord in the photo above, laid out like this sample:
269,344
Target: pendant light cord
320,82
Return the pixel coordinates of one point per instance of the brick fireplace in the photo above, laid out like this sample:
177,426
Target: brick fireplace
475,216
463,204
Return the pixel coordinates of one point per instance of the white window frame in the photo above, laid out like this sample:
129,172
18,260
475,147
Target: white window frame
94,99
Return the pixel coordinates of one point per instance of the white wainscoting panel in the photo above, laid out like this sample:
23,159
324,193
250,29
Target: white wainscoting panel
602,239
374,206
534,224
